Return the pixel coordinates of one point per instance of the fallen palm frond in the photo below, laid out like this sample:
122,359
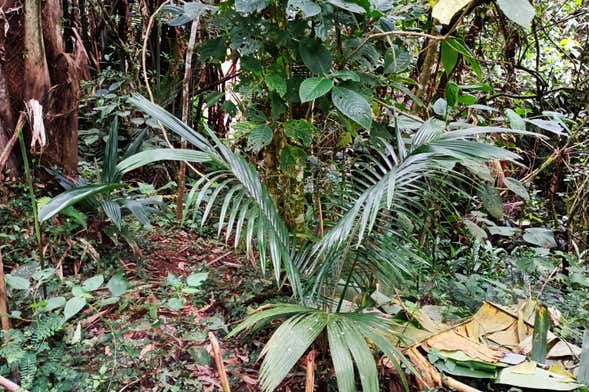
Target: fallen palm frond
496,344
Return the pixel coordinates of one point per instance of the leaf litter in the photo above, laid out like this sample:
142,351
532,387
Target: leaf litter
495,343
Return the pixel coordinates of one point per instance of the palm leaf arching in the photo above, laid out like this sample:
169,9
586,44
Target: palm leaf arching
392,186
347,335
246,207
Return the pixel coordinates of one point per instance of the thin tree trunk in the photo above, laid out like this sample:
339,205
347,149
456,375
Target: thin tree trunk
185,106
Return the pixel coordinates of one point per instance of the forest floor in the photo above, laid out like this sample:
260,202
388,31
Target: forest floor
165,341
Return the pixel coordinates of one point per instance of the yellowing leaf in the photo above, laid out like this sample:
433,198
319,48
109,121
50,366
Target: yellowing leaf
527,367
557,368
444,10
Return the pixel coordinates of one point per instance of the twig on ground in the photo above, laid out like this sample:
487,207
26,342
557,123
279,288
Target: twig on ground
219,362
310,373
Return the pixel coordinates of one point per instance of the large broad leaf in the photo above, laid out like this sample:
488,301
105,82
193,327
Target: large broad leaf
519,11
54,303
301,130
475,230
452,93
93,283
315,56
396,60
444,10
117,285
248,6
540,236
17,282
352,105
71,197
517,187
307,8
313,88
515,120
449,58
348,6
276,83
187,13
528,375
73,307
492,201
259,137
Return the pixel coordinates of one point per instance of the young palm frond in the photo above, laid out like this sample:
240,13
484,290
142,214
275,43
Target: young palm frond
102,195
245,206
397,185
348,335
350,256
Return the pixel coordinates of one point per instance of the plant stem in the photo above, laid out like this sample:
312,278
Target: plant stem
348,279
185,99
29,179
3,298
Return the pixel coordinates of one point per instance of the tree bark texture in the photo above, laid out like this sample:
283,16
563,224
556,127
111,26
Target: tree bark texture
34,65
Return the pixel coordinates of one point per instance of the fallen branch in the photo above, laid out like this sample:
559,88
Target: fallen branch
456,385
219,362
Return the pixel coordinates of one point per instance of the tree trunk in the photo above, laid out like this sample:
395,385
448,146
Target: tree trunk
35,66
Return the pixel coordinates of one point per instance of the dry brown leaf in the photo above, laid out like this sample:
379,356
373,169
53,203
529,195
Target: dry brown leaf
453,341
427,322
507,338
564,349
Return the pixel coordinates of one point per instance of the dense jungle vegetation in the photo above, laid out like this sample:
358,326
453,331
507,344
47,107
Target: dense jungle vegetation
294,195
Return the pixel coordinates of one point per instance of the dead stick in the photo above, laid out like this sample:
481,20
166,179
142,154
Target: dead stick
8,149
310,374
457,385
219,362
3,298
10,386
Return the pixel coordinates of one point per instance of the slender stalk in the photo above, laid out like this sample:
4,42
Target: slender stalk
185,99
29,179
348,279
3,298
219,363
